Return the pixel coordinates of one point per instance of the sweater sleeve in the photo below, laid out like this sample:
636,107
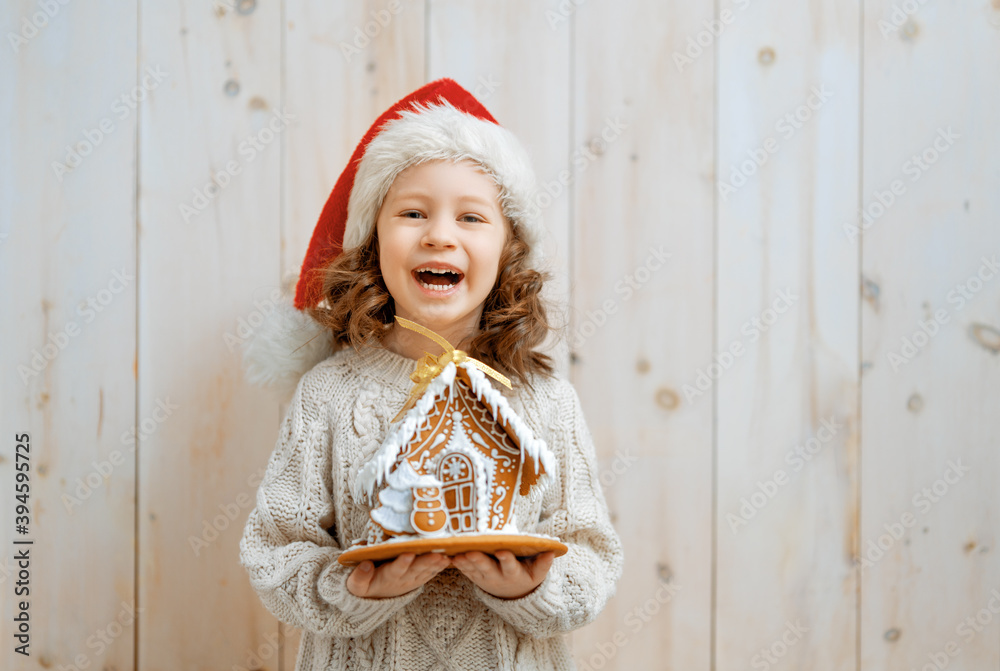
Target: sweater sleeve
579,583
290,556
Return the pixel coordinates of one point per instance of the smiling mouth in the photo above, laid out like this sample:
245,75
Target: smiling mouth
437,279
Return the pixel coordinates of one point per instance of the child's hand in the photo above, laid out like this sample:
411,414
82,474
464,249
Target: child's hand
404,574
511,578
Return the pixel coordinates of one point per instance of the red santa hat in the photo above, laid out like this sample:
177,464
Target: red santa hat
440,120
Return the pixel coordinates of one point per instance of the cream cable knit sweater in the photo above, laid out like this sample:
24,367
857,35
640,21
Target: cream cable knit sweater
305,516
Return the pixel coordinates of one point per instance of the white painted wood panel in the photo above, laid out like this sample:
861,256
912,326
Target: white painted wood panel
643,152
67,267
210,140
929,528
786,380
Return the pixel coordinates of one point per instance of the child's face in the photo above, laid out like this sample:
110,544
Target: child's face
443,216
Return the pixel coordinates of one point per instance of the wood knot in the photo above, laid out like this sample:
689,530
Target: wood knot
667,398
986,337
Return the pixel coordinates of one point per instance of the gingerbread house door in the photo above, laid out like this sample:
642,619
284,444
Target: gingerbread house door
458,478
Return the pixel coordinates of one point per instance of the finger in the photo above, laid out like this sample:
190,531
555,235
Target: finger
360,578
467,557
541,564
471,564
437,559
429,565
482,561
509,565
400,564
465,567
462,562
430,559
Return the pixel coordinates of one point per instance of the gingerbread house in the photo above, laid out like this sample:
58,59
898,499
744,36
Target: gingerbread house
452,468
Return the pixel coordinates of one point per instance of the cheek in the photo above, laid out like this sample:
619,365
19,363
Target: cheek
391,257
489,267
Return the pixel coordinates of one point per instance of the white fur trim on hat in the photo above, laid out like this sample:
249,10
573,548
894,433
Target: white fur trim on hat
441,131
284,347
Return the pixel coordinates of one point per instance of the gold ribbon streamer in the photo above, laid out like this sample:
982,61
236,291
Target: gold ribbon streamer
430,366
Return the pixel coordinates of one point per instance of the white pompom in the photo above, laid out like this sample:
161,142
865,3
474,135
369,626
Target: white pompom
283,348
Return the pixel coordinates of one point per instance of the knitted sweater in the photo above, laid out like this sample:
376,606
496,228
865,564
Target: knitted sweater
305,515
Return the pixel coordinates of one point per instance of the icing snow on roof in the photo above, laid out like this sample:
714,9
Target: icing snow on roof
375,473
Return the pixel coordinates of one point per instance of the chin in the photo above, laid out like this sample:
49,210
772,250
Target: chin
439,317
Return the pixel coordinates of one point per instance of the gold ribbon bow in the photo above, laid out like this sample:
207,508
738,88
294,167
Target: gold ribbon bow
430,366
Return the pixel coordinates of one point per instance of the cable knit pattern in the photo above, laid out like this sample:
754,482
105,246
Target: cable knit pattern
305,516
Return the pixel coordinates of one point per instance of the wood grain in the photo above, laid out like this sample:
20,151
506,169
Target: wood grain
929,528
642,310
753,468
68,266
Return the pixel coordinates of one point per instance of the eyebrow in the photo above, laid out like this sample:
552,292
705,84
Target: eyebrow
422,195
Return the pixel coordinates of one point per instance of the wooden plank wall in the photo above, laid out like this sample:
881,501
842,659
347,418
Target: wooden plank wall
68,179
930,458
786,283
794,413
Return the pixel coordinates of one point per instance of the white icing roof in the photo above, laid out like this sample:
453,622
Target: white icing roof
375,473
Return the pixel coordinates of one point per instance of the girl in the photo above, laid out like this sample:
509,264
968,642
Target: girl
431,221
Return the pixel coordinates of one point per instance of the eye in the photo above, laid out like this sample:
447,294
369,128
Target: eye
411,214
474,217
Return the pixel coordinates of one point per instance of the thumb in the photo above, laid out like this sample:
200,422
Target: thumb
541,564
361,577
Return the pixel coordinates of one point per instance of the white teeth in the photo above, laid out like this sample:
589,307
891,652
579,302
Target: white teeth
436,287
436,271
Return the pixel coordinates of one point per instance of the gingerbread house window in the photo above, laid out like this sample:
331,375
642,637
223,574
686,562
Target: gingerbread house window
457,474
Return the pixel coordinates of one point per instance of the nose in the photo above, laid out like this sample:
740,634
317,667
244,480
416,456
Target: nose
439,233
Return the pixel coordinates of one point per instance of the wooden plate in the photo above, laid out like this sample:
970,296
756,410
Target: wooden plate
520,545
